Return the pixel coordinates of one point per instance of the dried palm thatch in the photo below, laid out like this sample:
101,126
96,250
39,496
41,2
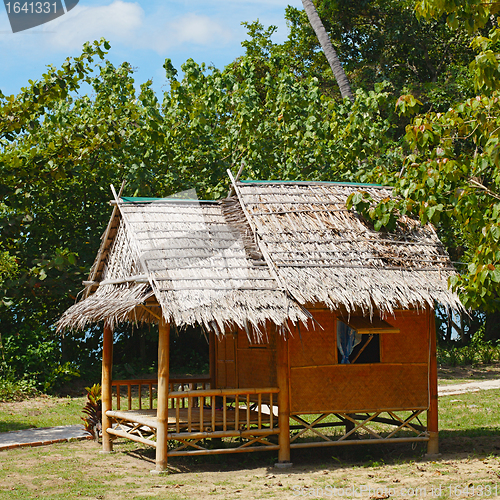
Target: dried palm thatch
256,257
324,253
188,257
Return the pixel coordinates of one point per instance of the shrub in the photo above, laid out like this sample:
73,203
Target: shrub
93,411
16,390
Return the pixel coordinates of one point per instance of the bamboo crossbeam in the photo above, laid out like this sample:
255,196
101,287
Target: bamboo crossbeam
385,268
140,278
252,263
360,256
295,202
282,212
247,433
223,451
223,392
197,232
215,278
181,380
124,203
133,437
228,288
135,381
344,240
315,444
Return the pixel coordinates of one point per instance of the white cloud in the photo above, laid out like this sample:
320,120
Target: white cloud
119,21
190,29
125,23
197,29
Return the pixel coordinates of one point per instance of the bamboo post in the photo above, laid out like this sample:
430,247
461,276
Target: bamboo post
432,412
106,395
162,405
212,360
283,401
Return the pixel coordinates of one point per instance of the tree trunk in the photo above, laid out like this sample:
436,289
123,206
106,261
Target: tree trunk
326,45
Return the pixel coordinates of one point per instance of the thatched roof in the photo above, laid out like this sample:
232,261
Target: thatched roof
323,252
184,256
260,255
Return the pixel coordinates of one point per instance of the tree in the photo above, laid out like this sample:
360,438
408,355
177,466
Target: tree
61,150
326,44
383,40
452,176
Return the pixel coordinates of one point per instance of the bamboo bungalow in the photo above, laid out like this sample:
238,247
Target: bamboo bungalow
321,330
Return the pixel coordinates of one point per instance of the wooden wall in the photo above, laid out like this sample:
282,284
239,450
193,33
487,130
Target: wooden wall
241,363
318,383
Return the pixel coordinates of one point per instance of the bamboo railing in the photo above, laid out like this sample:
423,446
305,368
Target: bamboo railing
222,413
141,393
196,414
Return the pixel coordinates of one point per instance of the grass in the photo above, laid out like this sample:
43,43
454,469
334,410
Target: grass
471,415
42,411
469,434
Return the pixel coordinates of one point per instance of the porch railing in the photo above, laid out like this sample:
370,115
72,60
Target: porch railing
247,417
141,394
244,414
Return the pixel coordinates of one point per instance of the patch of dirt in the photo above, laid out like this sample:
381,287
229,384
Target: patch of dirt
371,473
457,374
33,406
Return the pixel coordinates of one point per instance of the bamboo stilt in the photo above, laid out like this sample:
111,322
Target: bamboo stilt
162,410
283,399
432,412
106,396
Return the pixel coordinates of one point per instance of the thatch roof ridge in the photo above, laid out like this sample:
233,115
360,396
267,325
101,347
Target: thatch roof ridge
324,252
193,262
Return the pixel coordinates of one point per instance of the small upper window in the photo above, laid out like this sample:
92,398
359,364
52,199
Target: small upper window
356,348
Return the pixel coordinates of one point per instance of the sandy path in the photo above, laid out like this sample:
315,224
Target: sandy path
449,390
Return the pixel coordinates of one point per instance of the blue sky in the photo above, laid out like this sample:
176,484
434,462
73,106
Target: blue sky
141,32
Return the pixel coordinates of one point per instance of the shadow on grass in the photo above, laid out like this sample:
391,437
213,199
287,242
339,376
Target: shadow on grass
14,426
480,442
469,372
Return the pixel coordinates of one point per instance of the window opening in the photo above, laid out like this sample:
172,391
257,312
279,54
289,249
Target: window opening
356,348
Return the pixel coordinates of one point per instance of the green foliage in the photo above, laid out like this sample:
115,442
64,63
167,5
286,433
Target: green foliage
451,178
33,353
383,40
483,353
16,390
92,421
472,17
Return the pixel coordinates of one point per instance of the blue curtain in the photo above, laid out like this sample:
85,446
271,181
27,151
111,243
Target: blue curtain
347,340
